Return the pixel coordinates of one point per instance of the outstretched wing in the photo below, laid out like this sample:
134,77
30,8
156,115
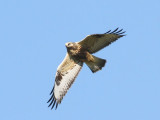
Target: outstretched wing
65,76
95,42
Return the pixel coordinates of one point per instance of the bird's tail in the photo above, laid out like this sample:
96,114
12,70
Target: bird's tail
96,64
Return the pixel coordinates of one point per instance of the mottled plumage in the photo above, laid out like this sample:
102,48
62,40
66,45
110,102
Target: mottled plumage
77,54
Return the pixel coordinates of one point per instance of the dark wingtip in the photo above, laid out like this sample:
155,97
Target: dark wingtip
56,106
53,105
122,32
108,31
52,101
52,91
116,31
119,31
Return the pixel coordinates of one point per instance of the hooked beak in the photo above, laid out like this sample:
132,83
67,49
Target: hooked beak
66,44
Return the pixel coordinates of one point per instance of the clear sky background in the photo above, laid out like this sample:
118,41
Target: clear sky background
33,34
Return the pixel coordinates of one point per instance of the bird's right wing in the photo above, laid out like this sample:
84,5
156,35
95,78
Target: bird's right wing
95,42
65,76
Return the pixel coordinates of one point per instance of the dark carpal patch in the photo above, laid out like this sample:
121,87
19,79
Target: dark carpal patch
58,78
98,35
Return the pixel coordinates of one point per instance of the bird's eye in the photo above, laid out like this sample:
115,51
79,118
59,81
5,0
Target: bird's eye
69,44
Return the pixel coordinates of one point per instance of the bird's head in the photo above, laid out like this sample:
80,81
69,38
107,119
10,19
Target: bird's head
71,45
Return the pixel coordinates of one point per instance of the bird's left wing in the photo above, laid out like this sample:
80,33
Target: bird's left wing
65,76
95,42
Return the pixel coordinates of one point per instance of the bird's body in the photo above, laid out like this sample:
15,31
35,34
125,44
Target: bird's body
77,54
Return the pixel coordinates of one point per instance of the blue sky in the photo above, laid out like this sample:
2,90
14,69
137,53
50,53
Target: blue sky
32,38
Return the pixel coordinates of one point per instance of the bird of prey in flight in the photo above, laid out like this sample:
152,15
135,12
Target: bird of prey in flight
77,54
